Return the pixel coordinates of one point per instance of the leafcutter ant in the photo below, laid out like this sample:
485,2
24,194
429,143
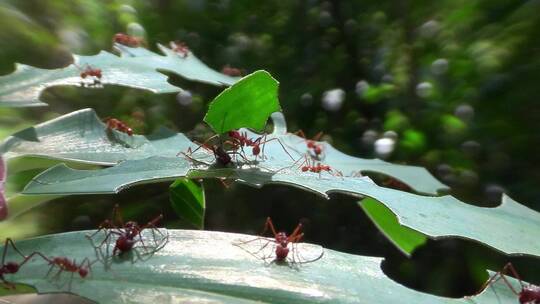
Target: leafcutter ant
180,48
315,149
128,235
94,74
65,264
127,40
116,124
241,140
282,246
308,165
529,294
230,71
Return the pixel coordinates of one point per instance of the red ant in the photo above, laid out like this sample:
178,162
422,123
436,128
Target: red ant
315,149
222,156
180,48
529,294
89,71
281,243
128,234
234,72
116,124
240,140
68,265
11,267
311,166
127,40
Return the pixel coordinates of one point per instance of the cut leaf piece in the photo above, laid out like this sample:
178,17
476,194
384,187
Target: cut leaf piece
187,200
205,266
404,238
138,70
246,104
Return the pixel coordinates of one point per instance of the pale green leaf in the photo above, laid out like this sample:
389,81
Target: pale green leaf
136,68
204,266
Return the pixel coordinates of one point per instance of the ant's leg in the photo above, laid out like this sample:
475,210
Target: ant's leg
117,216
296,233
249,241
300,133
318,136
280,143
494,279
4,253
193,159
269,224
513,271
28,258
70,281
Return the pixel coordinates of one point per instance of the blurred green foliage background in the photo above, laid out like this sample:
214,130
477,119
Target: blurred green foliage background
451,85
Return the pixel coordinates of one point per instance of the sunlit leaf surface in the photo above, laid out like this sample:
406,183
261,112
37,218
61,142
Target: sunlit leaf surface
433,216
135,67
206,267
81,136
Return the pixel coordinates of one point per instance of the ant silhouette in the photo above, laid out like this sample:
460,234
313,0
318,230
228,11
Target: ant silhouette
280,245
529,294
127,236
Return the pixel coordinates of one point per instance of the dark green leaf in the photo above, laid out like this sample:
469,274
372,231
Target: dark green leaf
404,238
187,200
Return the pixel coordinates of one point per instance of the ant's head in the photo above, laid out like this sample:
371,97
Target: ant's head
131,225
12,267
528,295
281,238
83,272
234,134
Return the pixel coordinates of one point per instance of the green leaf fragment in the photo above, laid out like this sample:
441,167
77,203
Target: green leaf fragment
404,238
187,200
246,104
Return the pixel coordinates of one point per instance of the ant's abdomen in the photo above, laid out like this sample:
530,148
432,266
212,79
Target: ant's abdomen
281,253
